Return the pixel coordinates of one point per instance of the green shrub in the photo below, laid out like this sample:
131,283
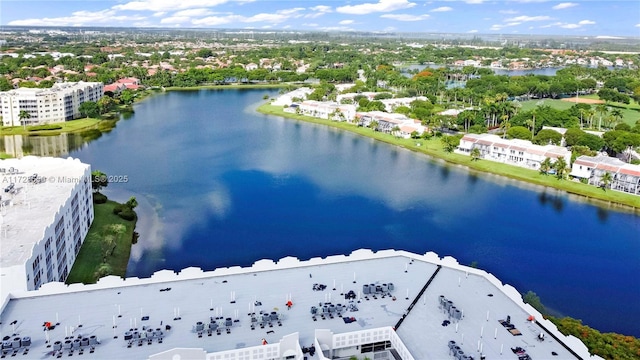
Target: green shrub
45,127
99,198
127,214
118,209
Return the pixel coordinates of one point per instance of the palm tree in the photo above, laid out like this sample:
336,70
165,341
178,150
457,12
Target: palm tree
23,116
505,125
590,113
605,180
561,168
467,117
617,115
374,125
475,154
395,131
531,123
602,110
546,166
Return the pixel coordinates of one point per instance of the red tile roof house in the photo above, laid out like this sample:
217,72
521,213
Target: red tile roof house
130,83
115,88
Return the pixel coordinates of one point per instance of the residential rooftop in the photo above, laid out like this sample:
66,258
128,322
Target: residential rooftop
409,293
34,189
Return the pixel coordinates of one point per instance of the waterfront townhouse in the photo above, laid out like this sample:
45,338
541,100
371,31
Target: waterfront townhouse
288,98
328,110
390,123
47,209
624,177
59,103
513,152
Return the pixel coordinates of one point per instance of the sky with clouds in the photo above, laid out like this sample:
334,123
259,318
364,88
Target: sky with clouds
582,18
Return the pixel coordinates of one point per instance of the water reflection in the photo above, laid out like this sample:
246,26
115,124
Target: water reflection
603,214
57,145
555,200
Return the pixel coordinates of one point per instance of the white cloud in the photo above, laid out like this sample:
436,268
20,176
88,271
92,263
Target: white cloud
472,31
564,6
442,9
638,25
273,18
321,8
193,12
380,6
346,22
525,18
216,20
278,17
508,12
405,17
310,24
318,11
159,13
475,2
568,25
611,37
550,25
497,27
175,20
81,18
290,11
389,29
167,5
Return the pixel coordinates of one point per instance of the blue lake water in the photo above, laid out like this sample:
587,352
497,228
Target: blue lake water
221,185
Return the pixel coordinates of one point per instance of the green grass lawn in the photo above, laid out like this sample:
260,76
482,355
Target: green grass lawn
90,256
433,147
630,112
66,127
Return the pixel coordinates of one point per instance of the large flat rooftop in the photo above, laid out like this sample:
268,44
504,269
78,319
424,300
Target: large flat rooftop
115,306
28,207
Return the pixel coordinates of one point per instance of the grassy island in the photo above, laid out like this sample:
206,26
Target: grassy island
433,147
99,257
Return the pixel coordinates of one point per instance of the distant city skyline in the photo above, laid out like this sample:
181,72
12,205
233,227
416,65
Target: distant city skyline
538,17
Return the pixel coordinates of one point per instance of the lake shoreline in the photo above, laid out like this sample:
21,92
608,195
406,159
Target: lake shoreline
590,194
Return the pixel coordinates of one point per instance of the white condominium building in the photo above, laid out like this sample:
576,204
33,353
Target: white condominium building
46,209
59,103
623,177
513,152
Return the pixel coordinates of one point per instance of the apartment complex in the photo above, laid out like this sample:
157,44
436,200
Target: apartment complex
59,103
46,210
513,152
623,177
